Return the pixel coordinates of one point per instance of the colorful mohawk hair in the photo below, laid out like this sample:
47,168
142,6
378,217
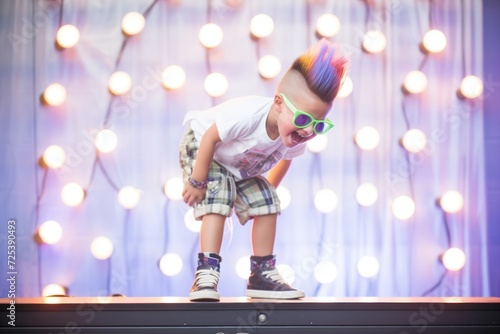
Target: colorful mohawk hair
323,70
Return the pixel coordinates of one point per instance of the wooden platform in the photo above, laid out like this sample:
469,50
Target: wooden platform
243,315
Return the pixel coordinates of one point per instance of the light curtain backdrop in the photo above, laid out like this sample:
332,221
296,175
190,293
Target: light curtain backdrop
148,123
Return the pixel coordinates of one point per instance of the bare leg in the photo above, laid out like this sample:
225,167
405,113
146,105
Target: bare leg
263,234
212,229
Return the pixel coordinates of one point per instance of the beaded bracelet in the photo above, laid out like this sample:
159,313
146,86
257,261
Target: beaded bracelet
197,184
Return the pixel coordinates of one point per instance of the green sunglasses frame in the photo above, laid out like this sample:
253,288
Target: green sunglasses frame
314,121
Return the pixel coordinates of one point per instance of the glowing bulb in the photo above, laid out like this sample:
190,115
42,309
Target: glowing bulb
286,272
318,144
327,25
403,207
133,23
414,140
173,188
261,25
67,36
454,259
173,77
451,201
106,141
50,232
101,248
243,267
119,83
53,290
325,200
284,196
54,95
54,156
374,41
210,35
471,87
191,223
367,138
269,66
216,84
415,82
129,197
346,88
72,194
170,264
368,266
325,272
366,194
434,41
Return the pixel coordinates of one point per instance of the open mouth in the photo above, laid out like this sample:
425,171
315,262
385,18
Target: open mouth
297,138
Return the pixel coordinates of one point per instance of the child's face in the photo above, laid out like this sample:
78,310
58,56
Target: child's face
306,102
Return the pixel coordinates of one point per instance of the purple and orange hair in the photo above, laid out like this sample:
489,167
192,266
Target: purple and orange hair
323,69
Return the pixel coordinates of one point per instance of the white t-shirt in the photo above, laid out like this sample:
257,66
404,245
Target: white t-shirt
245,149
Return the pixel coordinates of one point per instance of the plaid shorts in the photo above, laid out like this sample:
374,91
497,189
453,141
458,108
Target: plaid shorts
250,197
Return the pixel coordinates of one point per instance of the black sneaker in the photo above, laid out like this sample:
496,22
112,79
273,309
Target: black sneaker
206,278
265,281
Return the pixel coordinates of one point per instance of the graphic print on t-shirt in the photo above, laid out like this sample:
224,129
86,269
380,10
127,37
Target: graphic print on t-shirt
254,162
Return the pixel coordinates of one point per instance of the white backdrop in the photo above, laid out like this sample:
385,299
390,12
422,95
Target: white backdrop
148,123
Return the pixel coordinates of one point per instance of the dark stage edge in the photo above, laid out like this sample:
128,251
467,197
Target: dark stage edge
243,315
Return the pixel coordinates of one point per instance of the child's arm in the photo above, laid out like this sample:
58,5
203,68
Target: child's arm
204,158
277,173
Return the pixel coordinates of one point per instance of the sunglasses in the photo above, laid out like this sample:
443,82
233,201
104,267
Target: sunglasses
302,120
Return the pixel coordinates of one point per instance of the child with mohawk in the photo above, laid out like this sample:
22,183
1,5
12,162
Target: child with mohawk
238,141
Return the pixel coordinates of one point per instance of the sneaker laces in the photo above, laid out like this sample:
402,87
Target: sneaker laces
274,275
207,277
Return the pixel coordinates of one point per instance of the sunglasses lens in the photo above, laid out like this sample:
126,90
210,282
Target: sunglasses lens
320,127
302,120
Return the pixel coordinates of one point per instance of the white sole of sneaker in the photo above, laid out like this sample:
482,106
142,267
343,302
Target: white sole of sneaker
204,295
275,294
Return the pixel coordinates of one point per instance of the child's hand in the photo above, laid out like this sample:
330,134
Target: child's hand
193,196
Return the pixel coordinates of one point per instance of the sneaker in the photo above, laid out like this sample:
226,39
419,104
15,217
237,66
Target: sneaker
206,278
265,281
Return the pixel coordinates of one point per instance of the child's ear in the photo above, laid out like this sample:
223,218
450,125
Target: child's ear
278,102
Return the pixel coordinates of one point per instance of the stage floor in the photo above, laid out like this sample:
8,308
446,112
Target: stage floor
243,315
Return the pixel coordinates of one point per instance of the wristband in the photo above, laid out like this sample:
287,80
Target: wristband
197,184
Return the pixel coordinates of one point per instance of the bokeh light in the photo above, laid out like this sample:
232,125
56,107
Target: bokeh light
53,290
471,87
403,207
50,232
452,201
119,83
72,194
54,156
269,66
318,144
106,141
346,89
367,138
210,35
327,25
415,82
101,248
454,259
173,77
129,197
414,140
216,84
284,196
173,188
67,36
434,41
170,264
325,200
133,23
374,41
54,95
368,266
190,222
325,272
243,267
261,25
366,194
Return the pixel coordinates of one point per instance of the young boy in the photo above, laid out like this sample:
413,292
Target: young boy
233,145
